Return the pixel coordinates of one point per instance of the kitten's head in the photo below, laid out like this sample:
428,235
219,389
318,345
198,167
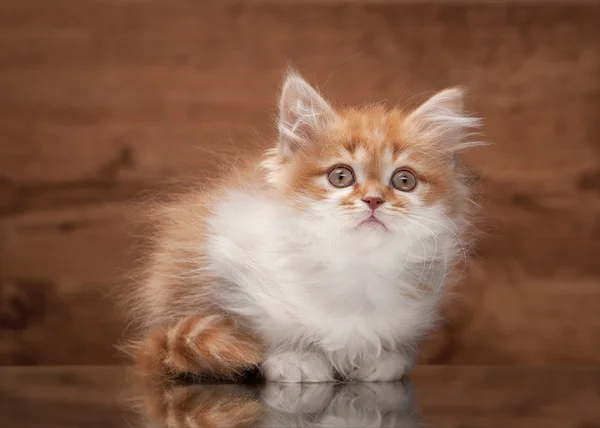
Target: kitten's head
374,168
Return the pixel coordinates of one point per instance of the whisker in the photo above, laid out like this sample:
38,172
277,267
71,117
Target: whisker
409,249
462,245
433,258
424,259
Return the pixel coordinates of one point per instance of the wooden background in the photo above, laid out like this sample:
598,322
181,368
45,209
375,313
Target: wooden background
101,100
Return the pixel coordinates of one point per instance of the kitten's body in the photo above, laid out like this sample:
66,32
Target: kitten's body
277,264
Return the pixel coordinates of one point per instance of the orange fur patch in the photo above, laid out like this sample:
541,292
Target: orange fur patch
212,345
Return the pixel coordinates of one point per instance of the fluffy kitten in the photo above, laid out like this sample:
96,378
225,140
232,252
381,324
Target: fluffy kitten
326,258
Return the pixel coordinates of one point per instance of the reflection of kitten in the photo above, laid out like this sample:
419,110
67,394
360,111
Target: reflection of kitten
327,257
386,404
170,405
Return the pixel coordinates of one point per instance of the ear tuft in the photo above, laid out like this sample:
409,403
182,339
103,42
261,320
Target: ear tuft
302,114
442,119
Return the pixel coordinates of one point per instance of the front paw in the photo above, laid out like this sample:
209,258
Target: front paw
387,366
297,367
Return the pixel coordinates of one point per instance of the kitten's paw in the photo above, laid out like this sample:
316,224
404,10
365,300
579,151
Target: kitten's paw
297,367
388,366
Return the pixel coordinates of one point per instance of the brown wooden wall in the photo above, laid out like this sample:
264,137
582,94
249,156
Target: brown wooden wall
103,100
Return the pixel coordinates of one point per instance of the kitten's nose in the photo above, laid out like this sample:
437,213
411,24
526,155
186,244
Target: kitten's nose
373,202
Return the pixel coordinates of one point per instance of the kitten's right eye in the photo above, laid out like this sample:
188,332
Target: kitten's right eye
341,176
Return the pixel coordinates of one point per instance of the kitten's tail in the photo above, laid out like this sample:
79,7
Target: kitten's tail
203,345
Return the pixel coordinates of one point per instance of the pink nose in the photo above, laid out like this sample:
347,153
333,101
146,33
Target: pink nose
373,202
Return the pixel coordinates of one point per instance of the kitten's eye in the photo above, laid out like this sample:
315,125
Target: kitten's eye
404,180
341,176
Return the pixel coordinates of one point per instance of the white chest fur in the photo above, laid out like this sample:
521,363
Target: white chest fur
304,284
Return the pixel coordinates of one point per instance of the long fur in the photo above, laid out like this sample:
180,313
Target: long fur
275,254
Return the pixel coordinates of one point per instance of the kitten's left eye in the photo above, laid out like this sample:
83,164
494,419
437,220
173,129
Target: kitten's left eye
404,180
341,176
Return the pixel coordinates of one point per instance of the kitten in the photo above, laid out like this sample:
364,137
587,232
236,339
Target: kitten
325,259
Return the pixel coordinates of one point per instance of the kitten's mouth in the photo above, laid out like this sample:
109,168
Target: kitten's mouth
372,221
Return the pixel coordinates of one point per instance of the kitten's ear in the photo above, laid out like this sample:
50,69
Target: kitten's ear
441,119
302,114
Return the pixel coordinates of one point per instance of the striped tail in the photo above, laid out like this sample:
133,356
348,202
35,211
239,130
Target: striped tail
209,345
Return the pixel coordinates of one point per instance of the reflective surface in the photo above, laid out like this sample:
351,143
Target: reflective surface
465,397
285,405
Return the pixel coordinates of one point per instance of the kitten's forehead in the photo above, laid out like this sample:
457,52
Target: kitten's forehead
374,128
371,138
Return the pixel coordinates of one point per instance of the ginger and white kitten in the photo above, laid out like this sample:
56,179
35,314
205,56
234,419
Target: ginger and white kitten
327,258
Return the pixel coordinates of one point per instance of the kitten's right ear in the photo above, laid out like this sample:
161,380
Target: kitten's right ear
302,114
442,120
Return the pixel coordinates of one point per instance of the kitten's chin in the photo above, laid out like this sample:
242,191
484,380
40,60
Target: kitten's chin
369,236
373,224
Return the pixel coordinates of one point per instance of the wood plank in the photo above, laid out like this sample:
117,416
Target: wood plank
99,78
43,322
66,397
104,100
448,397
62,272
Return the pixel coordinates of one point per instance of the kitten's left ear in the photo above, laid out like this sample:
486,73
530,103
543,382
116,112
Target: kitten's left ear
442,120
302,114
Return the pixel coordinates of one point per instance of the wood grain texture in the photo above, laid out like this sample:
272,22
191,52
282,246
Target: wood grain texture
102,101
440,397
64,397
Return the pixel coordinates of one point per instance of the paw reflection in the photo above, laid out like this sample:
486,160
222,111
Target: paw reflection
342,405
281,405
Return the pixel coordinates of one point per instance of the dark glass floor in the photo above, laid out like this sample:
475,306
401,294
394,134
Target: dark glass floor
434,397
